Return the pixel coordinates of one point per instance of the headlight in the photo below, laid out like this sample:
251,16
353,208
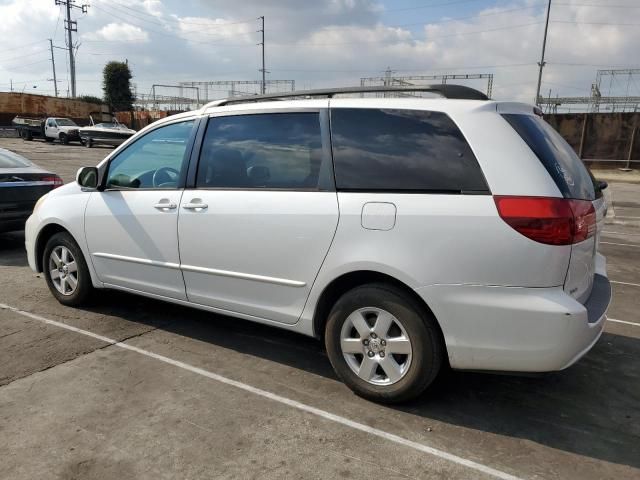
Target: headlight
39,202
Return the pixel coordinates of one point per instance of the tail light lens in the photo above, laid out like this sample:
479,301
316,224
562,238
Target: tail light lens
552,221
55,180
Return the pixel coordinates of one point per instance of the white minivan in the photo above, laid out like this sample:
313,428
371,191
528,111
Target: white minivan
407,233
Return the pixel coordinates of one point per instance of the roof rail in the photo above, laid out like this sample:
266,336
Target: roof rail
445,90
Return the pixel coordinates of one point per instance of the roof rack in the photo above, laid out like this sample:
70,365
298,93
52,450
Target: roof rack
445,90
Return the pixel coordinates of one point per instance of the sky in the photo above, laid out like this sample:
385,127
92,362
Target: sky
322,43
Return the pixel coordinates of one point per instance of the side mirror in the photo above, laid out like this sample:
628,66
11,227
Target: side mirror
87,177
602,184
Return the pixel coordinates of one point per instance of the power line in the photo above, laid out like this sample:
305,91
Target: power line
432,5
11,49
596,6
239,22
508,27
112,7
37,52
597,23
157,32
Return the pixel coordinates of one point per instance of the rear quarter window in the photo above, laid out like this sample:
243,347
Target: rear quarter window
565,167
402,150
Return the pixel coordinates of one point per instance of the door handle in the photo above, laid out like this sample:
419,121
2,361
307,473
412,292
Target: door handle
195,206
165,206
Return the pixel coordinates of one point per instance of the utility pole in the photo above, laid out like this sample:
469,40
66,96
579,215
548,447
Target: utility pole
541,64
263,69
71,26
53,65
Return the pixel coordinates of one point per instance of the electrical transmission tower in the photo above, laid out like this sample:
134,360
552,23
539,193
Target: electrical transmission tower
71,26
614,90
390,80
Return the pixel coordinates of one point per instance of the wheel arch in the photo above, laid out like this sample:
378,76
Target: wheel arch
348,281
43,236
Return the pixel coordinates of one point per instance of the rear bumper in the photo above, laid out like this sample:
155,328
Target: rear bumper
517,329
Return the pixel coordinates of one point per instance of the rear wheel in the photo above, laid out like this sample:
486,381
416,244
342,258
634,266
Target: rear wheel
66,271
383,344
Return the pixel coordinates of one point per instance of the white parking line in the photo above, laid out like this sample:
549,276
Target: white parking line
621,244
278,398
625,283
623,321
604,232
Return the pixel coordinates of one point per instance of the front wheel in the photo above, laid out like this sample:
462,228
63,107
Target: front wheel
64,140
66,271
383,344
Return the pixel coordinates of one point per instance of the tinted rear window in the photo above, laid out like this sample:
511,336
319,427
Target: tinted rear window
557,156
11,160
402,150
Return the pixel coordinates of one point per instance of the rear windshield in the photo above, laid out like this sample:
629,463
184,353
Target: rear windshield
557,156
11,160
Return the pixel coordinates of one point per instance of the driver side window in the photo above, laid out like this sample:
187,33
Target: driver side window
156,160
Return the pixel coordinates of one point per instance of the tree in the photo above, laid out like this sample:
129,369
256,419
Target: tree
117,86
90,99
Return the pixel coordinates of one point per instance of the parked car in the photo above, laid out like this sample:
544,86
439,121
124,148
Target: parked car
407,233
22,183
64,130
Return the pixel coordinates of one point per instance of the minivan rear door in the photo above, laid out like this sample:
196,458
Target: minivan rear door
574,182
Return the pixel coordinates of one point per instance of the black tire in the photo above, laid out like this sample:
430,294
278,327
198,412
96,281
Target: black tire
84,289
427,350
64,140
88,143
48,139
28,136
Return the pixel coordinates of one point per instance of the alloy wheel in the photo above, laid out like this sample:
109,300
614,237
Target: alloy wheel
63,270
376,346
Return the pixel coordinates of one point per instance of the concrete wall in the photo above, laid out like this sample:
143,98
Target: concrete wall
607,135
12,104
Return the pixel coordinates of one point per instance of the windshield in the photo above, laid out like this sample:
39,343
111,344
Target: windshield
107,125
65,122
11,160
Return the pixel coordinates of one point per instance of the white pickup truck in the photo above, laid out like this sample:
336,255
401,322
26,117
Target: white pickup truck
53,128
63,129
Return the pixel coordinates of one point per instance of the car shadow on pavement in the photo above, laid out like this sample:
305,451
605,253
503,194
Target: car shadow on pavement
12,252
590,409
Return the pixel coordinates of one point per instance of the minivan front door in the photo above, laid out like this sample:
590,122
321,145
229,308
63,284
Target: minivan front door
132,226
254,232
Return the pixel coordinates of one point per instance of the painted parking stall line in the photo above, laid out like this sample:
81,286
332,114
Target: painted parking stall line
614,320
277,398
620,244
624,283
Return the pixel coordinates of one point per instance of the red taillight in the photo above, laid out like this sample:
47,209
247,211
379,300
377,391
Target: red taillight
55,180
552,221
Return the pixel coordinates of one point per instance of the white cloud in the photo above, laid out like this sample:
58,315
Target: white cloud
121,32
